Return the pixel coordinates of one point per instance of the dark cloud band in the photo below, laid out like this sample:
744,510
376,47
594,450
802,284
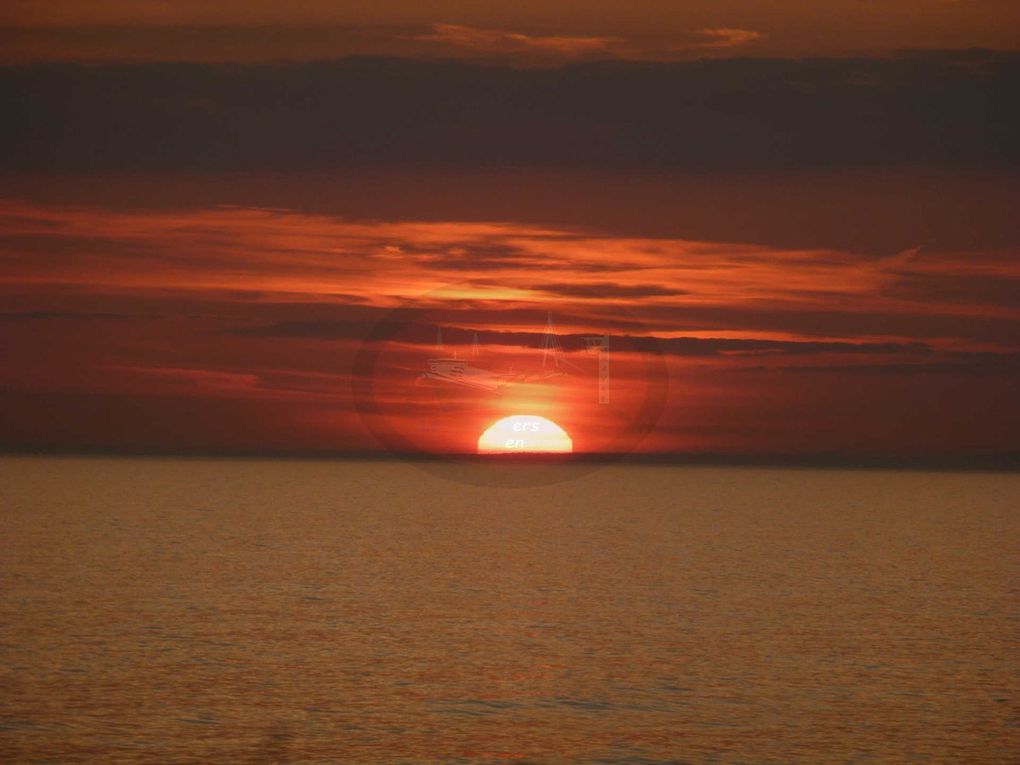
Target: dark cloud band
936,108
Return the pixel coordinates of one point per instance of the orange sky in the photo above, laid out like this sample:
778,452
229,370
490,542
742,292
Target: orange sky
796,222
528,32
240,328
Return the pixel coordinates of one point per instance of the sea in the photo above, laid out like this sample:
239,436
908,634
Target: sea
185,610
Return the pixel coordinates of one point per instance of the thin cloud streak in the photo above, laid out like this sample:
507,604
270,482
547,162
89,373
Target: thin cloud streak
506,44
280,254
727,37
503,42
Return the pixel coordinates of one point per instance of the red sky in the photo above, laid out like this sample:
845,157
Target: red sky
236,327
791,255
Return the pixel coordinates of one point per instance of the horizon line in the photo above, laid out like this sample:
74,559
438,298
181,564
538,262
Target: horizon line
1000,462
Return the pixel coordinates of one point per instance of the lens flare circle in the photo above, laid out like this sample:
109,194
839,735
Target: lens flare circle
524,434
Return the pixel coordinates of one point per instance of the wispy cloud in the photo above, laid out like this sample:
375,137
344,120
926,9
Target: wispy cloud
726,37
503,43
499,41
263,255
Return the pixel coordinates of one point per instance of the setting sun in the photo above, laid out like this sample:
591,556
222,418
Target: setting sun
524,433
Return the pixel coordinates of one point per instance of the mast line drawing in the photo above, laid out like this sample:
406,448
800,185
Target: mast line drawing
599,345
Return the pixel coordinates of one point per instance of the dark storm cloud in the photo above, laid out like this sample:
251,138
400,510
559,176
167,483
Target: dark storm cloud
938,108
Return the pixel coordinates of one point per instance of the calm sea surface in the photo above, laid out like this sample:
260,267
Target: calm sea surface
170,611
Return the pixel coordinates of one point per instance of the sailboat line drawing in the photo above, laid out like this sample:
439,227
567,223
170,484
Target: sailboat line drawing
452,369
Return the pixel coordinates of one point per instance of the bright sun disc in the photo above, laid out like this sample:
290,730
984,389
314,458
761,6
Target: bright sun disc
524,433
